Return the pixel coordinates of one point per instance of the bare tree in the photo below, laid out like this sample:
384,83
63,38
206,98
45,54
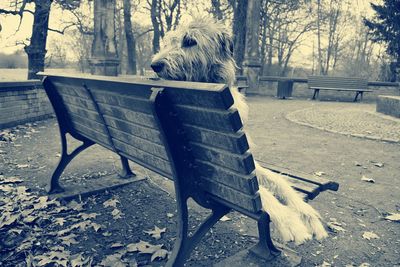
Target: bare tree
130,39
239,32
283,27
165,16
36,49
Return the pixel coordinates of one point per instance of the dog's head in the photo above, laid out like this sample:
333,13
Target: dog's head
201,51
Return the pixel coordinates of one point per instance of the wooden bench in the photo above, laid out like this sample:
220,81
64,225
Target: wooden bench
188,132
358,85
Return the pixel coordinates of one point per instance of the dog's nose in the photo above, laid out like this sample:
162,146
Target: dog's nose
157,66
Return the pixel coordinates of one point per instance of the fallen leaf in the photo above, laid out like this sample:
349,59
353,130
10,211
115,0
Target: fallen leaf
75,205
117,214
225,218
86,216
159,254
68,240
156,233
335,226
365,264
22,166
59,221
366,179
111,203
378,164
11,180
370,235
319,173
96,226
113,260
393,217
170,215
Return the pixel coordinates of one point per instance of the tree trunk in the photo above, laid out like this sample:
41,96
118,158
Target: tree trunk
156,26
239,31
36,50
216,9
320,70
130,39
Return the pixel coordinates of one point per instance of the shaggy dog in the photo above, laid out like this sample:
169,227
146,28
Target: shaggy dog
202,51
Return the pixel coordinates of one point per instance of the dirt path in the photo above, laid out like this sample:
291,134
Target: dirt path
357,208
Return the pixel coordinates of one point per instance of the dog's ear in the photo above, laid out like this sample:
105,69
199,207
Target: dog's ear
226,45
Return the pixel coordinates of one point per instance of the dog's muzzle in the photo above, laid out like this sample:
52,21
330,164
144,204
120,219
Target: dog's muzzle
157,66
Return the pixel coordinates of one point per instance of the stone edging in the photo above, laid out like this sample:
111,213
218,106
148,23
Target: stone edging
289,117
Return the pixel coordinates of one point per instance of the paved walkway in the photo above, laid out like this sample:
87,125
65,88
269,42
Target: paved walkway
356,120
358,207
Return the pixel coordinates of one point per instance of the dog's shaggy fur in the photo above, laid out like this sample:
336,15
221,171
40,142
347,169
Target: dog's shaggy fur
202,51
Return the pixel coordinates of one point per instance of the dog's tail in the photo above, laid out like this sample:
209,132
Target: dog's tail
275,186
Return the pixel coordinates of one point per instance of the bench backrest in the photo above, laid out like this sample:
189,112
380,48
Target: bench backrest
337,82
119,114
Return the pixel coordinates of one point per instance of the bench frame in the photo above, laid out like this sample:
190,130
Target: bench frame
340,85
183,166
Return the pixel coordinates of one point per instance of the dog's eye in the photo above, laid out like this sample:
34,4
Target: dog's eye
188,41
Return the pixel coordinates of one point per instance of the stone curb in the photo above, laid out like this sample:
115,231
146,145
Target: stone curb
289,117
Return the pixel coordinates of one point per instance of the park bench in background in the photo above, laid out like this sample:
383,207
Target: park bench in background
349,84
188,132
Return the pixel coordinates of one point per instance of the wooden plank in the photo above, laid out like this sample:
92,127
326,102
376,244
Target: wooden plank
128,115
73,90
150,134
79,102
247,184
226,121
235,142
142,144
84,113
143,158
243,164
222,100
250,203
323,183
93,125
97,137
125,101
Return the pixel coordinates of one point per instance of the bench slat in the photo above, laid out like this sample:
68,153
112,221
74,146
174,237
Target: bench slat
247,184
78,101
235,142
128,115
225,121
140,131
245,201
142,144
135,104
91,134
243,164
153,162
341,89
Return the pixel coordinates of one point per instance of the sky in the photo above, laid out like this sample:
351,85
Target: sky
11,34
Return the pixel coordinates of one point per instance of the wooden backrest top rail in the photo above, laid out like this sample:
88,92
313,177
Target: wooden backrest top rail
119,115
337,82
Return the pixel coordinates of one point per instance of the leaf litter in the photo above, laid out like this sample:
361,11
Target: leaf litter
42,232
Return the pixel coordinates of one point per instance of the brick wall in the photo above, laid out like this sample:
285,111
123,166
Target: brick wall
22,102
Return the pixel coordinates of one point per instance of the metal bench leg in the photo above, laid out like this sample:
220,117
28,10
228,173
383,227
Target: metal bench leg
65,159
355,99
316,94
126,171
184,243
265,248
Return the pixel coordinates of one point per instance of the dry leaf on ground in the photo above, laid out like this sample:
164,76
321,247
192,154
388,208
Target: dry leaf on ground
156,233
393,217
367,179
370,235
